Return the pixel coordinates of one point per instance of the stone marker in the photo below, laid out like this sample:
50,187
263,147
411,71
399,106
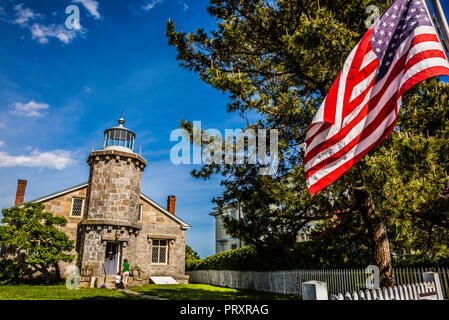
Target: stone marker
93,282
314,290
435,278
163,280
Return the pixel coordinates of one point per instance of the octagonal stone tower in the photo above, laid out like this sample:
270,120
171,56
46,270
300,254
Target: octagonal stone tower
110,226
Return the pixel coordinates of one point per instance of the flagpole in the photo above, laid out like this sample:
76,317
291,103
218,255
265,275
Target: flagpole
442,22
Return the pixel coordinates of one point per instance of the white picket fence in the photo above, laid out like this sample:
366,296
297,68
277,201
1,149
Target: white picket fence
290,282
412,291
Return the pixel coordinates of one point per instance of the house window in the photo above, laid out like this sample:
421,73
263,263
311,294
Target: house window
160,252
233,246
77,207
140,212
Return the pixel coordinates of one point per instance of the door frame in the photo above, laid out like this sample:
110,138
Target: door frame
118,254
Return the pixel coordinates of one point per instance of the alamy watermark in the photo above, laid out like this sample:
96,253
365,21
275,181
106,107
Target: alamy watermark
73,20
373,280
374,13
234,144
73,281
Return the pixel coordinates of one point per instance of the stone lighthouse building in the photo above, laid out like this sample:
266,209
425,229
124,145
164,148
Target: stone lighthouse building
111,220
110,228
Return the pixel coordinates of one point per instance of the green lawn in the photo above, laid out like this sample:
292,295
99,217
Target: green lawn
205,292
171,292
60,292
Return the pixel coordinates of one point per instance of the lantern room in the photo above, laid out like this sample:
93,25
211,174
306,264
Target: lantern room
119,138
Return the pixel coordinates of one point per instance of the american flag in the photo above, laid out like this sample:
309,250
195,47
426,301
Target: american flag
400,50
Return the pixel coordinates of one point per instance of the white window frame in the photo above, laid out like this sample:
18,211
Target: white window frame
82,207
140,216
159,246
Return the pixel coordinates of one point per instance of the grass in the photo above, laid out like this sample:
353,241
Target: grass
171,292
60,292
206,292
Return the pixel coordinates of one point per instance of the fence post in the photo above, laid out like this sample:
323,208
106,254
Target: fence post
314,290
435,278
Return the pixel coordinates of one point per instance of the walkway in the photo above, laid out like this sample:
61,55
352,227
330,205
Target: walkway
145,296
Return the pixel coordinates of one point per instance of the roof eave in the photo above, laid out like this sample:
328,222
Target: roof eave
184,225
59,193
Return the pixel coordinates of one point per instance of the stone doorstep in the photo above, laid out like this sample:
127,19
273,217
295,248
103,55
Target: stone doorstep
109,281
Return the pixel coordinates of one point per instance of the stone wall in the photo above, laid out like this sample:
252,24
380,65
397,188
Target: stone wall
136,246
61,207
93,239
156,225
114,187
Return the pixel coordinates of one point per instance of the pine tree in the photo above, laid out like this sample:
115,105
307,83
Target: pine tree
278,59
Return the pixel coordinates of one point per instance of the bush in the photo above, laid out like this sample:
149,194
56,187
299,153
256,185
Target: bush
192,258
32,244
302,257
10,272
420,262
246,259
192,264
265,259
237,259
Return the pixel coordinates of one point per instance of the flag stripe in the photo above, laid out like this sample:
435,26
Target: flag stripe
398,67
356,149
373,102
421,30
362,106
331,177
423,75
371,116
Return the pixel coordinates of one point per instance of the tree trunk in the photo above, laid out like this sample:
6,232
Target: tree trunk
379,237
57,273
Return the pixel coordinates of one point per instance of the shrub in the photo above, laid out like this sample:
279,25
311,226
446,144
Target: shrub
302,257
10,272
238,259
32,244
420,262
192,258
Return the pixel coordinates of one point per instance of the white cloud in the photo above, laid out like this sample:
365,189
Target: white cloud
23,15
87,89
30,109
151,4
184,5
42,33
91,6
2,143
56,159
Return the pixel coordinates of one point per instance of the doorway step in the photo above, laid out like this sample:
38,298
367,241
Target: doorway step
110,281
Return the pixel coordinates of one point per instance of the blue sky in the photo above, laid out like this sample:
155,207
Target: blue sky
60,89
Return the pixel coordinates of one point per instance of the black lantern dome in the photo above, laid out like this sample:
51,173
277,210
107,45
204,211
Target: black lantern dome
119,138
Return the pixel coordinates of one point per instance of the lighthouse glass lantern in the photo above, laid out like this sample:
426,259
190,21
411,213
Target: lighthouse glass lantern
119,138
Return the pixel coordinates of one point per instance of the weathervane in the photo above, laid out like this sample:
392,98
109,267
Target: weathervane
121,121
